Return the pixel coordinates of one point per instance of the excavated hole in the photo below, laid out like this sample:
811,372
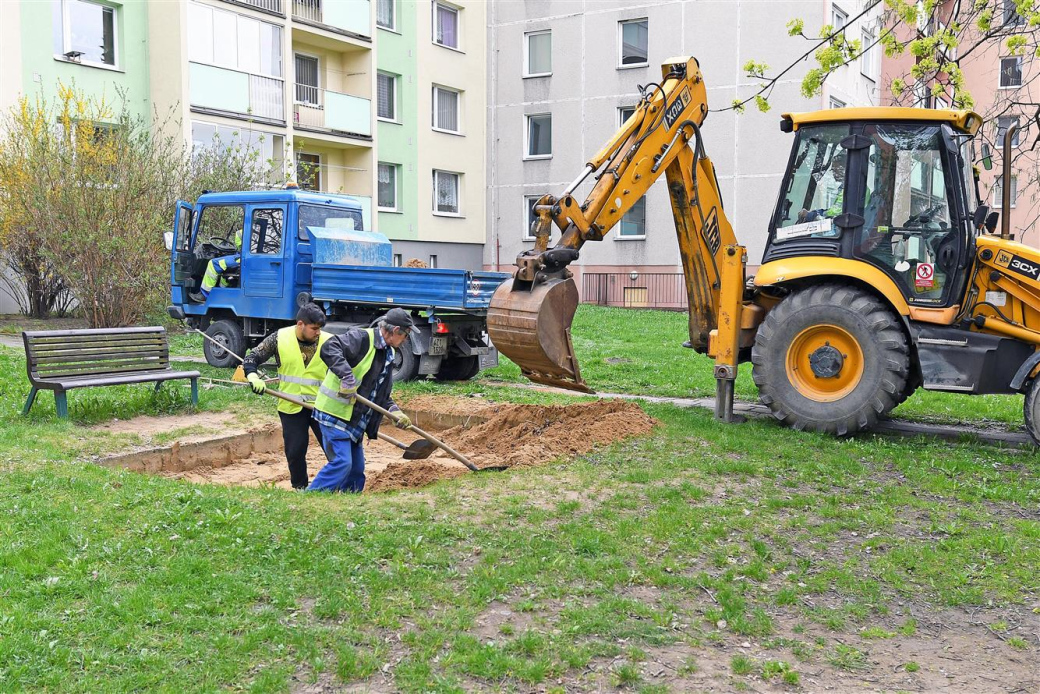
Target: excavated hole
488,434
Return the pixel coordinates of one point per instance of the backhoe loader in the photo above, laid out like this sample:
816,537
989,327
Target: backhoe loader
882,272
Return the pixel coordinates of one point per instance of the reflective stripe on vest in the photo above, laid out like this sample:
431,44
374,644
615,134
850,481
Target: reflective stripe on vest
329,400
296,378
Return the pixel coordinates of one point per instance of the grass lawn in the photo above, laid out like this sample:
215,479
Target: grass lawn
820,555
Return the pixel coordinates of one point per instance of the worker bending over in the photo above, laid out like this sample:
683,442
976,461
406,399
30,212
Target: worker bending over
360,361
300,373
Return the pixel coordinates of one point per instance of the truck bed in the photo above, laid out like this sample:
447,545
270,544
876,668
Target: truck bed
459,290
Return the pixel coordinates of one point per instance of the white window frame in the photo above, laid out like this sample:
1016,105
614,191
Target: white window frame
296,169
867,60
394,91
458,193
527,137
621,43
284,76
1021,72
529,201
998,192
834,102
621,117
66,37
527,53
396,169
458,25
393,14
317,71
838,14
458,109
398,259
631,237
433,261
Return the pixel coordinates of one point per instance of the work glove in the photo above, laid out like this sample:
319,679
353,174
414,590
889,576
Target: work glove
402,421
348,392
256,383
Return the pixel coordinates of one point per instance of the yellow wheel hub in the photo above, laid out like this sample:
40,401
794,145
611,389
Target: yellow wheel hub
825,363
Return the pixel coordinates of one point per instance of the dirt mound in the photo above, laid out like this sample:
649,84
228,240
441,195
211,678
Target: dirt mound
415,262
409,474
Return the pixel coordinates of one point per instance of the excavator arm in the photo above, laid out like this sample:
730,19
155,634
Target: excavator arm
531,314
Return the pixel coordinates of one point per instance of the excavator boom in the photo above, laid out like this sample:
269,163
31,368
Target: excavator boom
530,315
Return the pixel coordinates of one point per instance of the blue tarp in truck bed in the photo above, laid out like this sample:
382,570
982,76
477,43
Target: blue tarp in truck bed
460,290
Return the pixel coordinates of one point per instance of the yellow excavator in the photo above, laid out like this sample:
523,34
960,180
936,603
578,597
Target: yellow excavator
882,272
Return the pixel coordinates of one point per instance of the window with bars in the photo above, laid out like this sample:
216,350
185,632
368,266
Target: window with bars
538,47
385,14
634,40
307,88
445,25
386,96
387,194
446,192
1011,72
446,109
539,136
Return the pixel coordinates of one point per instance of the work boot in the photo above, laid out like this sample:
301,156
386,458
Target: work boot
197,297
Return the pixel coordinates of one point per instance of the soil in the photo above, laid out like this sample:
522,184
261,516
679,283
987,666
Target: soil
415,262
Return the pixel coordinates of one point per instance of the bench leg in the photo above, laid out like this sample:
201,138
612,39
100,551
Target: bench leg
158,385
194,392
61,403
30,400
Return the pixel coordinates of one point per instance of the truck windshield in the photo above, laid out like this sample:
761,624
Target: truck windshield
330,217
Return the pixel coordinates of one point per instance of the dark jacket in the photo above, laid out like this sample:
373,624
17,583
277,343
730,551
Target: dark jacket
341,353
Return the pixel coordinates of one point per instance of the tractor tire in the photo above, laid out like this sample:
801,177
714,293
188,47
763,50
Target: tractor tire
1032,411
830,358
229,334
458,369
406,364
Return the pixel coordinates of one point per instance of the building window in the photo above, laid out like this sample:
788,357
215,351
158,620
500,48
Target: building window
868,66
225,138
835,103
633,224
433,261
446,109
624,113
1003,123
538,49
1011,15
85,32
633,37
839,18
387,187
386,96
998,191
307,87
1011,72
445,25
398,259
230,40
529,216
385,15
539,136
445,192
308,171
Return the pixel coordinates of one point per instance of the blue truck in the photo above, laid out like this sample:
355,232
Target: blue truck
298,246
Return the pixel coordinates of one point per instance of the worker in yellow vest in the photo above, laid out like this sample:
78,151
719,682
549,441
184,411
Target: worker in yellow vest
361,361
300,373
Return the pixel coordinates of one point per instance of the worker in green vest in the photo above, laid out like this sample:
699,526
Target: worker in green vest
300,373
361,361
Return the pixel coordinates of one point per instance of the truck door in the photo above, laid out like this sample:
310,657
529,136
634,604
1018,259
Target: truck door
263,256
183,258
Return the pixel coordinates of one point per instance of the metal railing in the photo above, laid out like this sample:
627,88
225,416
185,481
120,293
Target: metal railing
307,9
325,109
660,290
266,97
266,5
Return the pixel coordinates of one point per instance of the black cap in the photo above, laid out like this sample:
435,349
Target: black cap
399,318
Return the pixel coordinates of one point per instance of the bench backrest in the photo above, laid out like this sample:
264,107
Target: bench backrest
55,354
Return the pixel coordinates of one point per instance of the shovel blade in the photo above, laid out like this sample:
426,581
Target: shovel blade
419,449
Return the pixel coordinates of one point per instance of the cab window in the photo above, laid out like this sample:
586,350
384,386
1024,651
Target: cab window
331,217
222,226
266,237
815,188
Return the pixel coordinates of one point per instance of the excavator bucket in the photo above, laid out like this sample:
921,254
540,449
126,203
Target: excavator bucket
532,326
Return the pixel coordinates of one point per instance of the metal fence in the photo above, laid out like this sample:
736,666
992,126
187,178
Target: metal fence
661,290
307,9
268,5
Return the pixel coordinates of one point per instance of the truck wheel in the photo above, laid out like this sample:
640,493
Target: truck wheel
229,334
830,358
459,369
1032,411
406,364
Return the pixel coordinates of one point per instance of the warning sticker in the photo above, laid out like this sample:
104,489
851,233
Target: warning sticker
925,275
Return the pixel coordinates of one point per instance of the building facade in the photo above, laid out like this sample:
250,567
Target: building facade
565,73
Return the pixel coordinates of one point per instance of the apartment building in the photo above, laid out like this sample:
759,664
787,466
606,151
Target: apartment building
859,82
564,76
431,101
1005,90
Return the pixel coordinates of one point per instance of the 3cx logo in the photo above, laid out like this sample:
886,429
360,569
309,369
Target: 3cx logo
1024,267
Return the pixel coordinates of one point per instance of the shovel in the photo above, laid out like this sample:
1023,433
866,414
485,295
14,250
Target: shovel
240,375
417,450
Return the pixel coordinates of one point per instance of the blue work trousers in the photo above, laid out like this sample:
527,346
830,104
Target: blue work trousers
345,471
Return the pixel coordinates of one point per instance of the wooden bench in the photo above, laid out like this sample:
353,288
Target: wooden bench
61,360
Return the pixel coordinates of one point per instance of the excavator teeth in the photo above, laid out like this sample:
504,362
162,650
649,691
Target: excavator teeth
532,328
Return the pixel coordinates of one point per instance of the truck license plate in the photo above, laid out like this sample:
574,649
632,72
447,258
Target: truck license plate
438,345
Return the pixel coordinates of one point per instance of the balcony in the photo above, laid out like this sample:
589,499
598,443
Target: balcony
329,111
269,6
234,92
352,16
